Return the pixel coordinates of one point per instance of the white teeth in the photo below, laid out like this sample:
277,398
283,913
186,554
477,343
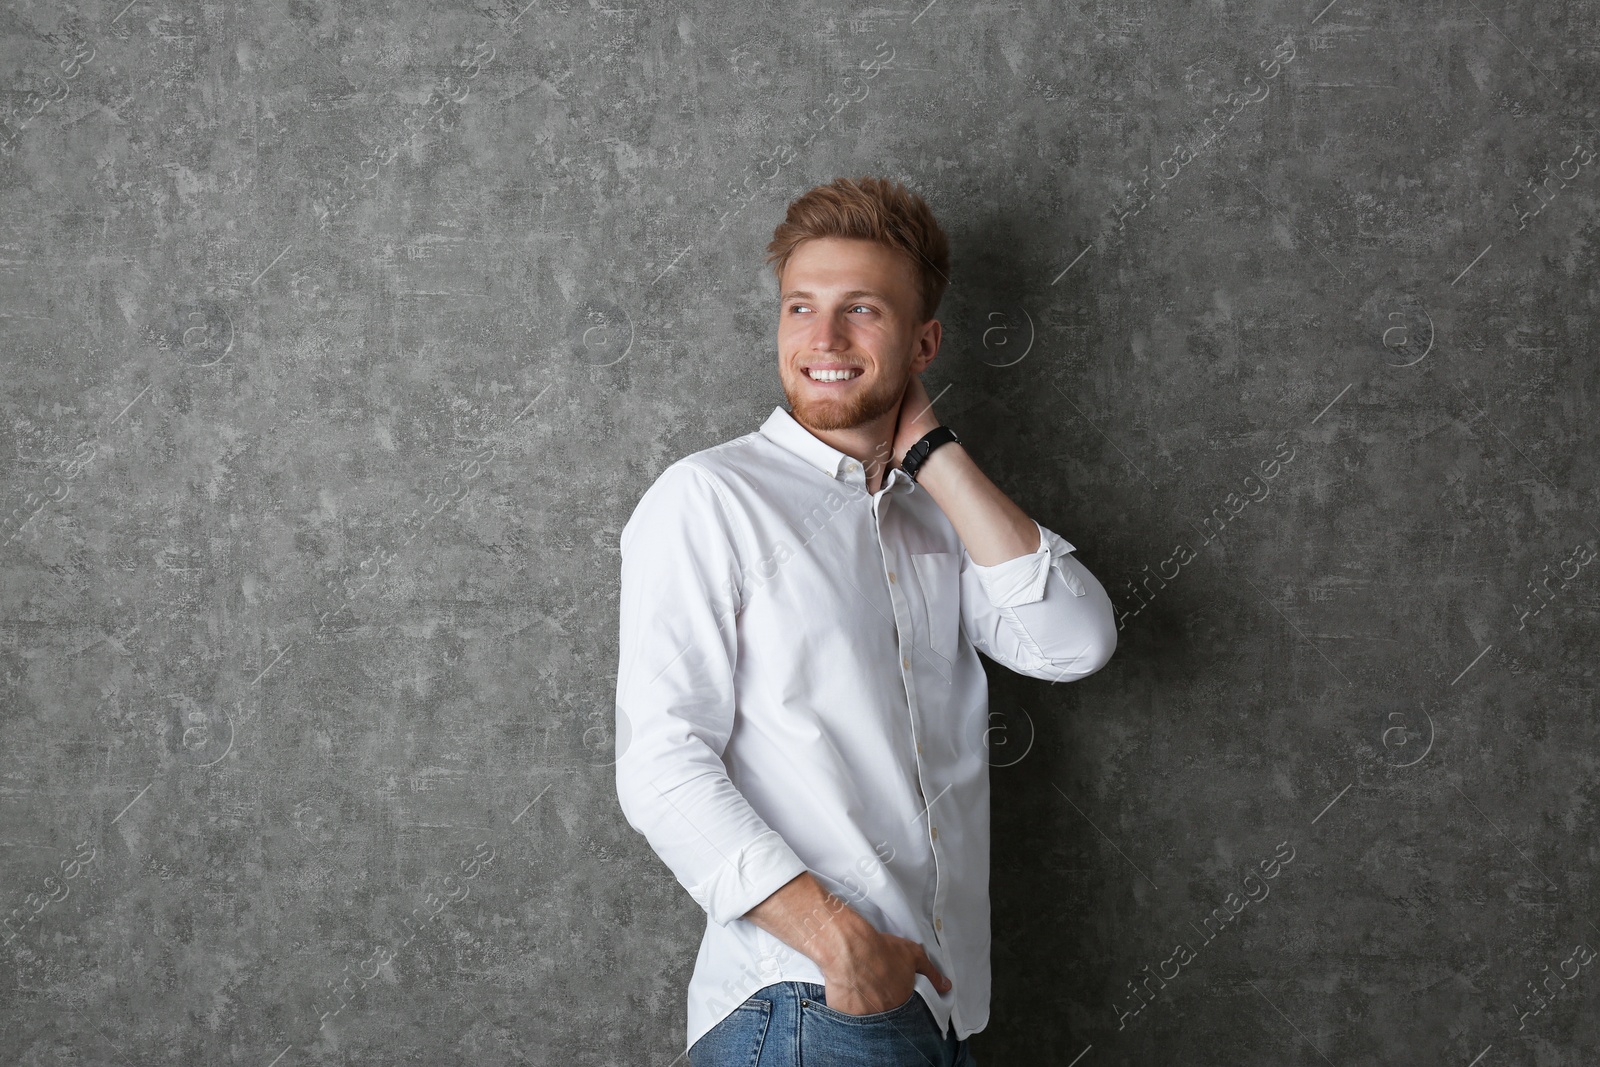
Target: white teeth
833,375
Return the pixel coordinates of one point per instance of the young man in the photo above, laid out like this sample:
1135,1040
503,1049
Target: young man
801,710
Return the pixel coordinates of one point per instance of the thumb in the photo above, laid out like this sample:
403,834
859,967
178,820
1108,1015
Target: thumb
925,966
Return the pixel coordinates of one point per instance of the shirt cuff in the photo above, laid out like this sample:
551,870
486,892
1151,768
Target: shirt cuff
1021,580
748,877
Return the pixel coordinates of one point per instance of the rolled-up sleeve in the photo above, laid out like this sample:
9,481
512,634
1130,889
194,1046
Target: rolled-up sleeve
678,645
1041,614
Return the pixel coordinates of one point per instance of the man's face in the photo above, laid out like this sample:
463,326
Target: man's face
853,305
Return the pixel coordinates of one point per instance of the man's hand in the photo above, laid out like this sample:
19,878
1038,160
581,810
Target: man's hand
874,972
916,418
863,970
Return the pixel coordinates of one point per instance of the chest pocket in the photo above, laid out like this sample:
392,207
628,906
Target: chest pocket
939,576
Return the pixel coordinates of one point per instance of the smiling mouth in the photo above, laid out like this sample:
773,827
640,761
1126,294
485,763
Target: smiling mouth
832,377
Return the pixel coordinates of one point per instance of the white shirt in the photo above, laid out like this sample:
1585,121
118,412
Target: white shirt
799,689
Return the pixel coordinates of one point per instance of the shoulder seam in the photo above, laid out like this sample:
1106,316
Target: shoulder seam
742,439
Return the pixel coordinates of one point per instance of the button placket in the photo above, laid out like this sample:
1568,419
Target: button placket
905,631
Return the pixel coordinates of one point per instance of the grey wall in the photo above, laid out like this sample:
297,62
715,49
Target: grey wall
330,384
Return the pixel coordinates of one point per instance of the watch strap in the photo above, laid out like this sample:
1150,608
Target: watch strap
917,454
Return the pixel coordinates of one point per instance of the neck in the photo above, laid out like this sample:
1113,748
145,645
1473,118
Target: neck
870,443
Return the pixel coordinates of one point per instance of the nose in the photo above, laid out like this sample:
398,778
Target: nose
828,335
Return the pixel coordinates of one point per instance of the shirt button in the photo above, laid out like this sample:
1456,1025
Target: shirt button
904,662
919,752
935,833
891,576
938,924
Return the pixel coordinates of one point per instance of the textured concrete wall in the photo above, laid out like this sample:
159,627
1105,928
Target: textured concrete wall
340,343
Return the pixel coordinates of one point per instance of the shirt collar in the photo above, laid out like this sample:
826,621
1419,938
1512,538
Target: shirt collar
783,429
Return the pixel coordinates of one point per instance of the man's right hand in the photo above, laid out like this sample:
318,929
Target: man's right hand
863,969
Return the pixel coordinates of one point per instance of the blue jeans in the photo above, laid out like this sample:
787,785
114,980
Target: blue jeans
789,1024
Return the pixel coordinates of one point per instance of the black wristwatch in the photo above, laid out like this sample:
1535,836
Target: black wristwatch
917,454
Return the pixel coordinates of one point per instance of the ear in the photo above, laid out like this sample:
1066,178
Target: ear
927,346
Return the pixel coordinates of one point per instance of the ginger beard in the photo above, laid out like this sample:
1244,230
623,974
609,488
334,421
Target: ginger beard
866,398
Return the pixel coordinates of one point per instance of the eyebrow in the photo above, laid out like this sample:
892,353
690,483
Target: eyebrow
852,294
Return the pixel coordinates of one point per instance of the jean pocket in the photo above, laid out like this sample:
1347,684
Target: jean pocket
904,1036
819,1008
736,1040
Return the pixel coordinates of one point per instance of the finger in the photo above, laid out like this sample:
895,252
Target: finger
925,966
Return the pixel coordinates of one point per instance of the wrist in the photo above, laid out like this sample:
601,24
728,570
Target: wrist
940,462
842,938
921,451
